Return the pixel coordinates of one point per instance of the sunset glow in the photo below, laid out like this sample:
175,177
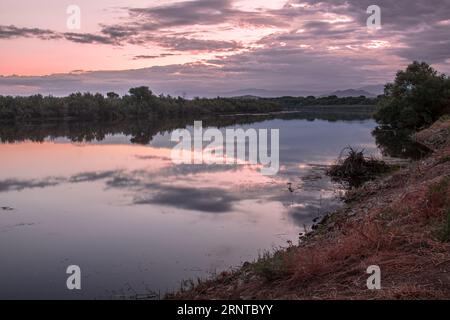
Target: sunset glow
248,43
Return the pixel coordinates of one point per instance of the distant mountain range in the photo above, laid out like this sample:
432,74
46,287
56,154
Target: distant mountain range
368,91
349,93
262,93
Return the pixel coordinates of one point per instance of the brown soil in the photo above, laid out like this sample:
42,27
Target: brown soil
436,136
400,223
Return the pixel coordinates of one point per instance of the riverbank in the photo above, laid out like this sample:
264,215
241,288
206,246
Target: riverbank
400,222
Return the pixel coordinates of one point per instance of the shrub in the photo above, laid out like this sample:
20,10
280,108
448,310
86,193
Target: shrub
417,98
355,168
273,266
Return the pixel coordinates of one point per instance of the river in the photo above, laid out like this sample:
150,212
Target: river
111,201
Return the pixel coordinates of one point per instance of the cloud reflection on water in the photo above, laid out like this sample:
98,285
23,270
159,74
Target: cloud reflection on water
185,186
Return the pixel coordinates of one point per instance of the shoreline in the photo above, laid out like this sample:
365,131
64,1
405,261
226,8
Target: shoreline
399,222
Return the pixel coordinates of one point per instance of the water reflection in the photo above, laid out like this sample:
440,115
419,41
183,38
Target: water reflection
143,132
131,219
399,143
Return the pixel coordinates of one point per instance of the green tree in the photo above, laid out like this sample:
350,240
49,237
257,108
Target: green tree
112,95
417,98
141,93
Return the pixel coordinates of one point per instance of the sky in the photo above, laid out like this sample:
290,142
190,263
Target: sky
211,47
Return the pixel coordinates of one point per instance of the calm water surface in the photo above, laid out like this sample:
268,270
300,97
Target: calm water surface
136,223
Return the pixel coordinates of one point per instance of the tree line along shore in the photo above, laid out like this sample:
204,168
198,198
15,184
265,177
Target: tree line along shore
142,103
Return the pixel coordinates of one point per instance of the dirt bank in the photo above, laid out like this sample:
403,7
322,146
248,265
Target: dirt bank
400,222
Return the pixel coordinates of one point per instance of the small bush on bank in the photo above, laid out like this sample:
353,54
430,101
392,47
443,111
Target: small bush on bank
272,266
355,169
